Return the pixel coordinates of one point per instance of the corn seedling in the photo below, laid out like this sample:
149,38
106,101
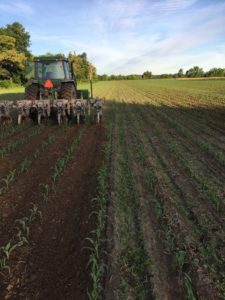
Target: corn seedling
24,225
9,178
8,249
24,165
45,191
34,212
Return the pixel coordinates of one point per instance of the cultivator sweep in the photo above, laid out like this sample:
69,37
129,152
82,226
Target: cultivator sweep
52,91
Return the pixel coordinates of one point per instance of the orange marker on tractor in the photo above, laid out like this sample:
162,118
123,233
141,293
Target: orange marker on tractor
48,84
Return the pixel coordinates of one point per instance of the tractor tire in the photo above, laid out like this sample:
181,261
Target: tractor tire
32,92
68,91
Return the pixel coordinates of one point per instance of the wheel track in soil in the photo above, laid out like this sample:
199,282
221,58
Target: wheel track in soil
16,201
56,265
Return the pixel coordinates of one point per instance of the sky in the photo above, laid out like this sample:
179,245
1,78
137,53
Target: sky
126,36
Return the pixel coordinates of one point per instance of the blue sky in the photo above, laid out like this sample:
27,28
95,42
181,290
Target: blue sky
125,36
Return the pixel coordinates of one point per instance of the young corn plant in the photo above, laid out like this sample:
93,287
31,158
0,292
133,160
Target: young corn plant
45,192
9,178
34,212
24,166
24,224
3,263
8,249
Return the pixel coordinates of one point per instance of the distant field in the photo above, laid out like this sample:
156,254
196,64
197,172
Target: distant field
156,226
114,88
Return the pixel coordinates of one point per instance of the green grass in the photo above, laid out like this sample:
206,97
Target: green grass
15,93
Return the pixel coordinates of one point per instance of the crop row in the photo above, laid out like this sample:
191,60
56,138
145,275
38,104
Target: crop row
13,145
97,237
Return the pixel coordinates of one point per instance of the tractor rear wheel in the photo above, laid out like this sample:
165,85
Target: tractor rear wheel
32,92
68,91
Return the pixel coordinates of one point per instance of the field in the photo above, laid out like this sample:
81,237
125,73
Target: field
129,209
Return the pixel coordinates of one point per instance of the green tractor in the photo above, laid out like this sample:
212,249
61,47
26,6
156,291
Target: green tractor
52,77
52,90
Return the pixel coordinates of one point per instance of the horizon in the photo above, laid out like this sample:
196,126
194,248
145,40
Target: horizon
122,37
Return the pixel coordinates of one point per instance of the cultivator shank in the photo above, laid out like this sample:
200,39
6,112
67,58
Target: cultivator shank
97,104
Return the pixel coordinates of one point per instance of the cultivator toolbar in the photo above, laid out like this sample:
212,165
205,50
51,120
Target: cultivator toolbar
41,110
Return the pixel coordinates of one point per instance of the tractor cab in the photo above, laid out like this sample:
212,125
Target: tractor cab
52,77
51,68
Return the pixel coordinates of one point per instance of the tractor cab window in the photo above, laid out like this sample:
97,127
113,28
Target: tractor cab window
50,70
29,70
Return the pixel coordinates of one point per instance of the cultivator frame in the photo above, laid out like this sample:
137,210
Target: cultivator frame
41,110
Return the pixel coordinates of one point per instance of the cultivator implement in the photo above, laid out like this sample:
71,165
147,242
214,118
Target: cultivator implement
41,110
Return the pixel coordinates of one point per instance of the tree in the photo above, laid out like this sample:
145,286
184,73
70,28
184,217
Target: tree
83,69
147,74
11,61
215,72
180,73
22,37
195,72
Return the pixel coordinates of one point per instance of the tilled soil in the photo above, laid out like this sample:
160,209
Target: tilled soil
54,263
26,188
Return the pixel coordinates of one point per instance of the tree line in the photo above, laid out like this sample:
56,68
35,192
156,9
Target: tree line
195,72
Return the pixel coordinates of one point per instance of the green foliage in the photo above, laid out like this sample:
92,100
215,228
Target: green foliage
6,83
21,36
215,72
11,61
14,43
180,73
7,43
195,72
147,75
82,68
